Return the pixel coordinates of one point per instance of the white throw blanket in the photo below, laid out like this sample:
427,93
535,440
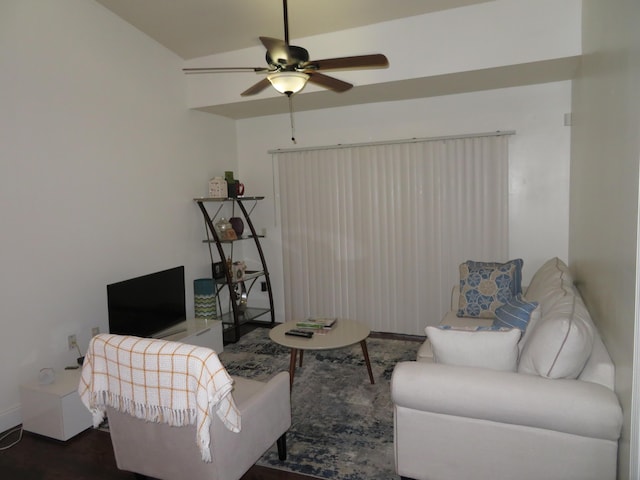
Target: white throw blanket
158,381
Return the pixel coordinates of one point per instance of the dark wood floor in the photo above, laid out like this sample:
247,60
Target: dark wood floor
88,456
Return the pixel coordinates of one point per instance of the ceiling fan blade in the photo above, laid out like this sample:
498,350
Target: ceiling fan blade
361,61
224,69
278,50
256,88
329,82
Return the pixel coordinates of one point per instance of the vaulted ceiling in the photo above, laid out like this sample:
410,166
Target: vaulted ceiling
196,28
202,32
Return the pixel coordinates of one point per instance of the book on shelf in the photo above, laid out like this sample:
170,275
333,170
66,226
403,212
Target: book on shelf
317,323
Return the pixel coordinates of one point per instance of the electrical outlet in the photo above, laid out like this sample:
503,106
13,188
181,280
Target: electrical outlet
72,342
95,331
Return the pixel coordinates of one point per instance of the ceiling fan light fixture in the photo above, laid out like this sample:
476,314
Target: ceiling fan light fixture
288,82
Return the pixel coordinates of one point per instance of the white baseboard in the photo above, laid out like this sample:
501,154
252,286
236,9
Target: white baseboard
10,417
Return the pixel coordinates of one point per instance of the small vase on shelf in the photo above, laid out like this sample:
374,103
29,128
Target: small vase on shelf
237,224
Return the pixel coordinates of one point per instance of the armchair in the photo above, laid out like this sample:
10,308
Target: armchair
160,451
175,413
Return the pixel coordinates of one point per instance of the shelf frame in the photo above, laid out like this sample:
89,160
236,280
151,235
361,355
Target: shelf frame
236,316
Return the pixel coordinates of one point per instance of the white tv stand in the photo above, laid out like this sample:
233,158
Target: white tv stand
196,331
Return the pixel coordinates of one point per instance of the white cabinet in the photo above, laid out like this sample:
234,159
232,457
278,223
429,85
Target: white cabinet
55,410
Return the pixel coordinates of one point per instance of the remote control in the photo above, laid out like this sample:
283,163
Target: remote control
299,333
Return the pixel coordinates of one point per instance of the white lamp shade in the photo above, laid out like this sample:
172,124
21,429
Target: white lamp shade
288,82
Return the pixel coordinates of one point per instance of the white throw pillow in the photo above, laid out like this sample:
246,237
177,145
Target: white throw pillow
493,349
561,343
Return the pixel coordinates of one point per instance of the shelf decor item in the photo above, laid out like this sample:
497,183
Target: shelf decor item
237,224
234,187
204,298
224,230
238,270
217,187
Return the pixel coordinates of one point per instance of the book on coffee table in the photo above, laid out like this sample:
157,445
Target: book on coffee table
317,323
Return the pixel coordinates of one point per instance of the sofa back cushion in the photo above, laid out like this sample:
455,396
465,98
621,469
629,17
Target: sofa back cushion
548,283
560,344
599,368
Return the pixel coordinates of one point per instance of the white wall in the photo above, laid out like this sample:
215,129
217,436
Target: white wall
539,156
603,243
99,164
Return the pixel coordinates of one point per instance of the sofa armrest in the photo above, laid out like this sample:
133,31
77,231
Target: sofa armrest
455,297
570,406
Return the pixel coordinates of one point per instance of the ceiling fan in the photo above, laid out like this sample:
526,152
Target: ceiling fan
289,68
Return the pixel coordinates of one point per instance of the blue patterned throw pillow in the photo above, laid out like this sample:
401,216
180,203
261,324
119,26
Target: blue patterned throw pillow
516,313
484,288
516,285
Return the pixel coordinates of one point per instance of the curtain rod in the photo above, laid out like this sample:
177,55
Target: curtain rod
497,133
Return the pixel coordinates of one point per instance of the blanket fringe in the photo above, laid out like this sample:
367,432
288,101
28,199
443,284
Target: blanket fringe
150,413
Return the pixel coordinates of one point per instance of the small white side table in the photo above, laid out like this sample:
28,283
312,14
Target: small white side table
55,410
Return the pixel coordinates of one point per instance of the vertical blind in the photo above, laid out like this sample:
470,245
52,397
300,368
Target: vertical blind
376,232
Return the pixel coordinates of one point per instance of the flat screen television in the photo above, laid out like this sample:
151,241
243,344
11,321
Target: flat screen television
144,306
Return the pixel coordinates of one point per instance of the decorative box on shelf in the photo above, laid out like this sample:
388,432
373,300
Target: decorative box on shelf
217,187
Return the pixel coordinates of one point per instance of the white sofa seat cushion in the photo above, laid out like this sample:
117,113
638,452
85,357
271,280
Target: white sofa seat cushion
561,342
492,349
451,319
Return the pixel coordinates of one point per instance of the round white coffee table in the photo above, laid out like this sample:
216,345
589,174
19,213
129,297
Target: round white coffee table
344,334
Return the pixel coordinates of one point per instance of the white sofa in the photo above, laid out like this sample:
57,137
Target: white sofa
552,414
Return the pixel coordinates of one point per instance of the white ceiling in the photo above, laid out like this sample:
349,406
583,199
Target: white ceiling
196,28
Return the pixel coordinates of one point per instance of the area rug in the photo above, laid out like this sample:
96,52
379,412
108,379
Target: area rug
342,426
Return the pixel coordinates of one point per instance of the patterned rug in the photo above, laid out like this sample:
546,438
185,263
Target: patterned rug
342,426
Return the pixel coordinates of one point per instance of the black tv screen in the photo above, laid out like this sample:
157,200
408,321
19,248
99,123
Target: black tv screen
144,306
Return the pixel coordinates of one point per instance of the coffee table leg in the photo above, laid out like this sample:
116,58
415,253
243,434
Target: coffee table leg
292,366
365,352
301,354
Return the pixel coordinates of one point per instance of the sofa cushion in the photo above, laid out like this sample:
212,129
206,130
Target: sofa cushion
451,319
493,349
548,280
516,286
561,343
484,288
516,313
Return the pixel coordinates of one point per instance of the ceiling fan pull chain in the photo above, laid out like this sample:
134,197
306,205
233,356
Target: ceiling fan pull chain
293,128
